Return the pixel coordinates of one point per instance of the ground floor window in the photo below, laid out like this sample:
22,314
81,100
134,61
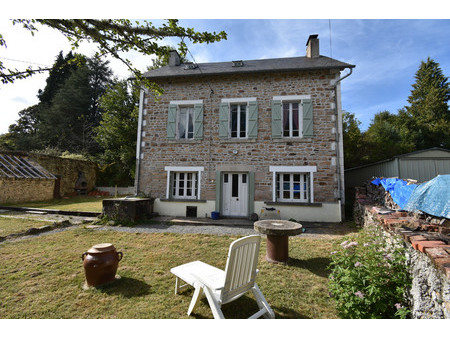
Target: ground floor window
292,187
184,185
293,183
183,182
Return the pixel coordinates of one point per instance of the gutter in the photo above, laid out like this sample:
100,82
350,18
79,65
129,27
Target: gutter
339,137
138,142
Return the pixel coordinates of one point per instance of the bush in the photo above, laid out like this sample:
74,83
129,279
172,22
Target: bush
369,277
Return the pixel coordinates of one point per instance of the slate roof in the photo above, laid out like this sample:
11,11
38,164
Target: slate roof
250,66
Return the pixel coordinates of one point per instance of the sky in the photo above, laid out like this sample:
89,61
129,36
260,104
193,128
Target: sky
387,51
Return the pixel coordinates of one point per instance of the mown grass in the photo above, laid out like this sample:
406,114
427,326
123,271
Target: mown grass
76,203
10,225
43,277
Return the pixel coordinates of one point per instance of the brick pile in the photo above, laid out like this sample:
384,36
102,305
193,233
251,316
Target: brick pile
427,234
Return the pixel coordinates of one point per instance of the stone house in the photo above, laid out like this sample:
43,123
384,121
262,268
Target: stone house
242,136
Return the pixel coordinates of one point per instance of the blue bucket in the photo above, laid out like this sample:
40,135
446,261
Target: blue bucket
215,214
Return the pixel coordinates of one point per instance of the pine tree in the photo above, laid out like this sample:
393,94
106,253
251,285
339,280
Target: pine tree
428,109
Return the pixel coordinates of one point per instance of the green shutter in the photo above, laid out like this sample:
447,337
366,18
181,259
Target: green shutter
172,122
218,191
252,119
251,193
307,118
223,119
198,121
276,119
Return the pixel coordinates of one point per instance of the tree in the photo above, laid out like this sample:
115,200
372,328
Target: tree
116,134
74,112
113,37
383,137
428,110
353,141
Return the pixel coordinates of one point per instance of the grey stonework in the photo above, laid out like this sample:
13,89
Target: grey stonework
212,152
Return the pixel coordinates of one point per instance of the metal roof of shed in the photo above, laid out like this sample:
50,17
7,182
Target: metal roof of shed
249,66
13,166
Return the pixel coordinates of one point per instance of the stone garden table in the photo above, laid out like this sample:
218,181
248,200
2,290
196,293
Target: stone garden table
278,232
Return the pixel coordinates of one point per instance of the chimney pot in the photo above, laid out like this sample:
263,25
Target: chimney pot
312,46
174,58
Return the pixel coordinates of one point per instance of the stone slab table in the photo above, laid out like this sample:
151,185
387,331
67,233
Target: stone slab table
278,232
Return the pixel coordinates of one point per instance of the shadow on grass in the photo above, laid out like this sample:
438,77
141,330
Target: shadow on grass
245,307
317,265
127,287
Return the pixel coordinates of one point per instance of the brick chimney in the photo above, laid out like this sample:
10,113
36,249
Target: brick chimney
174,58
312,46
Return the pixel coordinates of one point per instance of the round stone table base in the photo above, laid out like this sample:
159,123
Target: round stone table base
277,249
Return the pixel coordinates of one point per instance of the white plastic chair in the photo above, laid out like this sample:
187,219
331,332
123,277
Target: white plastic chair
222,287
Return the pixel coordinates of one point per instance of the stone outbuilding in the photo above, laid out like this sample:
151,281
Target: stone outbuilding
28,177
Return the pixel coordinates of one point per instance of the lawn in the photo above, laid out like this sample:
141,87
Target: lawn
43,277
76,203
10,225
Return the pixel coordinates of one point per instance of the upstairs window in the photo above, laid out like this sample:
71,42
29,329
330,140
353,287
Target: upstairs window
292,119
238,118
292,116
185,120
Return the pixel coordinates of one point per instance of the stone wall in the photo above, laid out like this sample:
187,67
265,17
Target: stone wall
212,153
16,190
428,254
68,169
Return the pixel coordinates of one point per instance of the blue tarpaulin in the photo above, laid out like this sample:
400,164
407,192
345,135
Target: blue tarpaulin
432,197
398,189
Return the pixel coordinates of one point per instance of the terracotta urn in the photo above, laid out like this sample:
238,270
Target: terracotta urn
100,264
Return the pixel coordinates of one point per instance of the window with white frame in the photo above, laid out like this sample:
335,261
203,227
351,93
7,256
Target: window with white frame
292,119
238,120
184,185
292,116
185,123
183,182
185,120
293,184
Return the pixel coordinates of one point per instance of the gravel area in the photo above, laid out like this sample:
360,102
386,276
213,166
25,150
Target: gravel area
207,227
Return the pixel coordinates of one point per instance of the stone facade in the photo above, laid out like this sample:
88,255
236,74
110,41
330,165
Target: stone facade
251,155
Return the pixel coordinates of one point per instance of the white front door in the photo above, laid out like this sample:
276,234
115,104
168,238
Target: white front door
235,194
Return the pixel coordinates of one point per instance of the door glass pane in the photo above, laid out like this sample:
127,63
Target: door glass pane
235,185
225,178
244,178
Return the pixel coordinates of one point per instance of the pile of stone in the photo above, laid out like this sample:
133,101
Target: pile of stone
382,198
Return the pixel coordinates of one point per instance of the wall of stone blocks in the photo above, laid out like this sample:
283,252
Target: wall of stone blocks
68,169
256,155
428,257
16,190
